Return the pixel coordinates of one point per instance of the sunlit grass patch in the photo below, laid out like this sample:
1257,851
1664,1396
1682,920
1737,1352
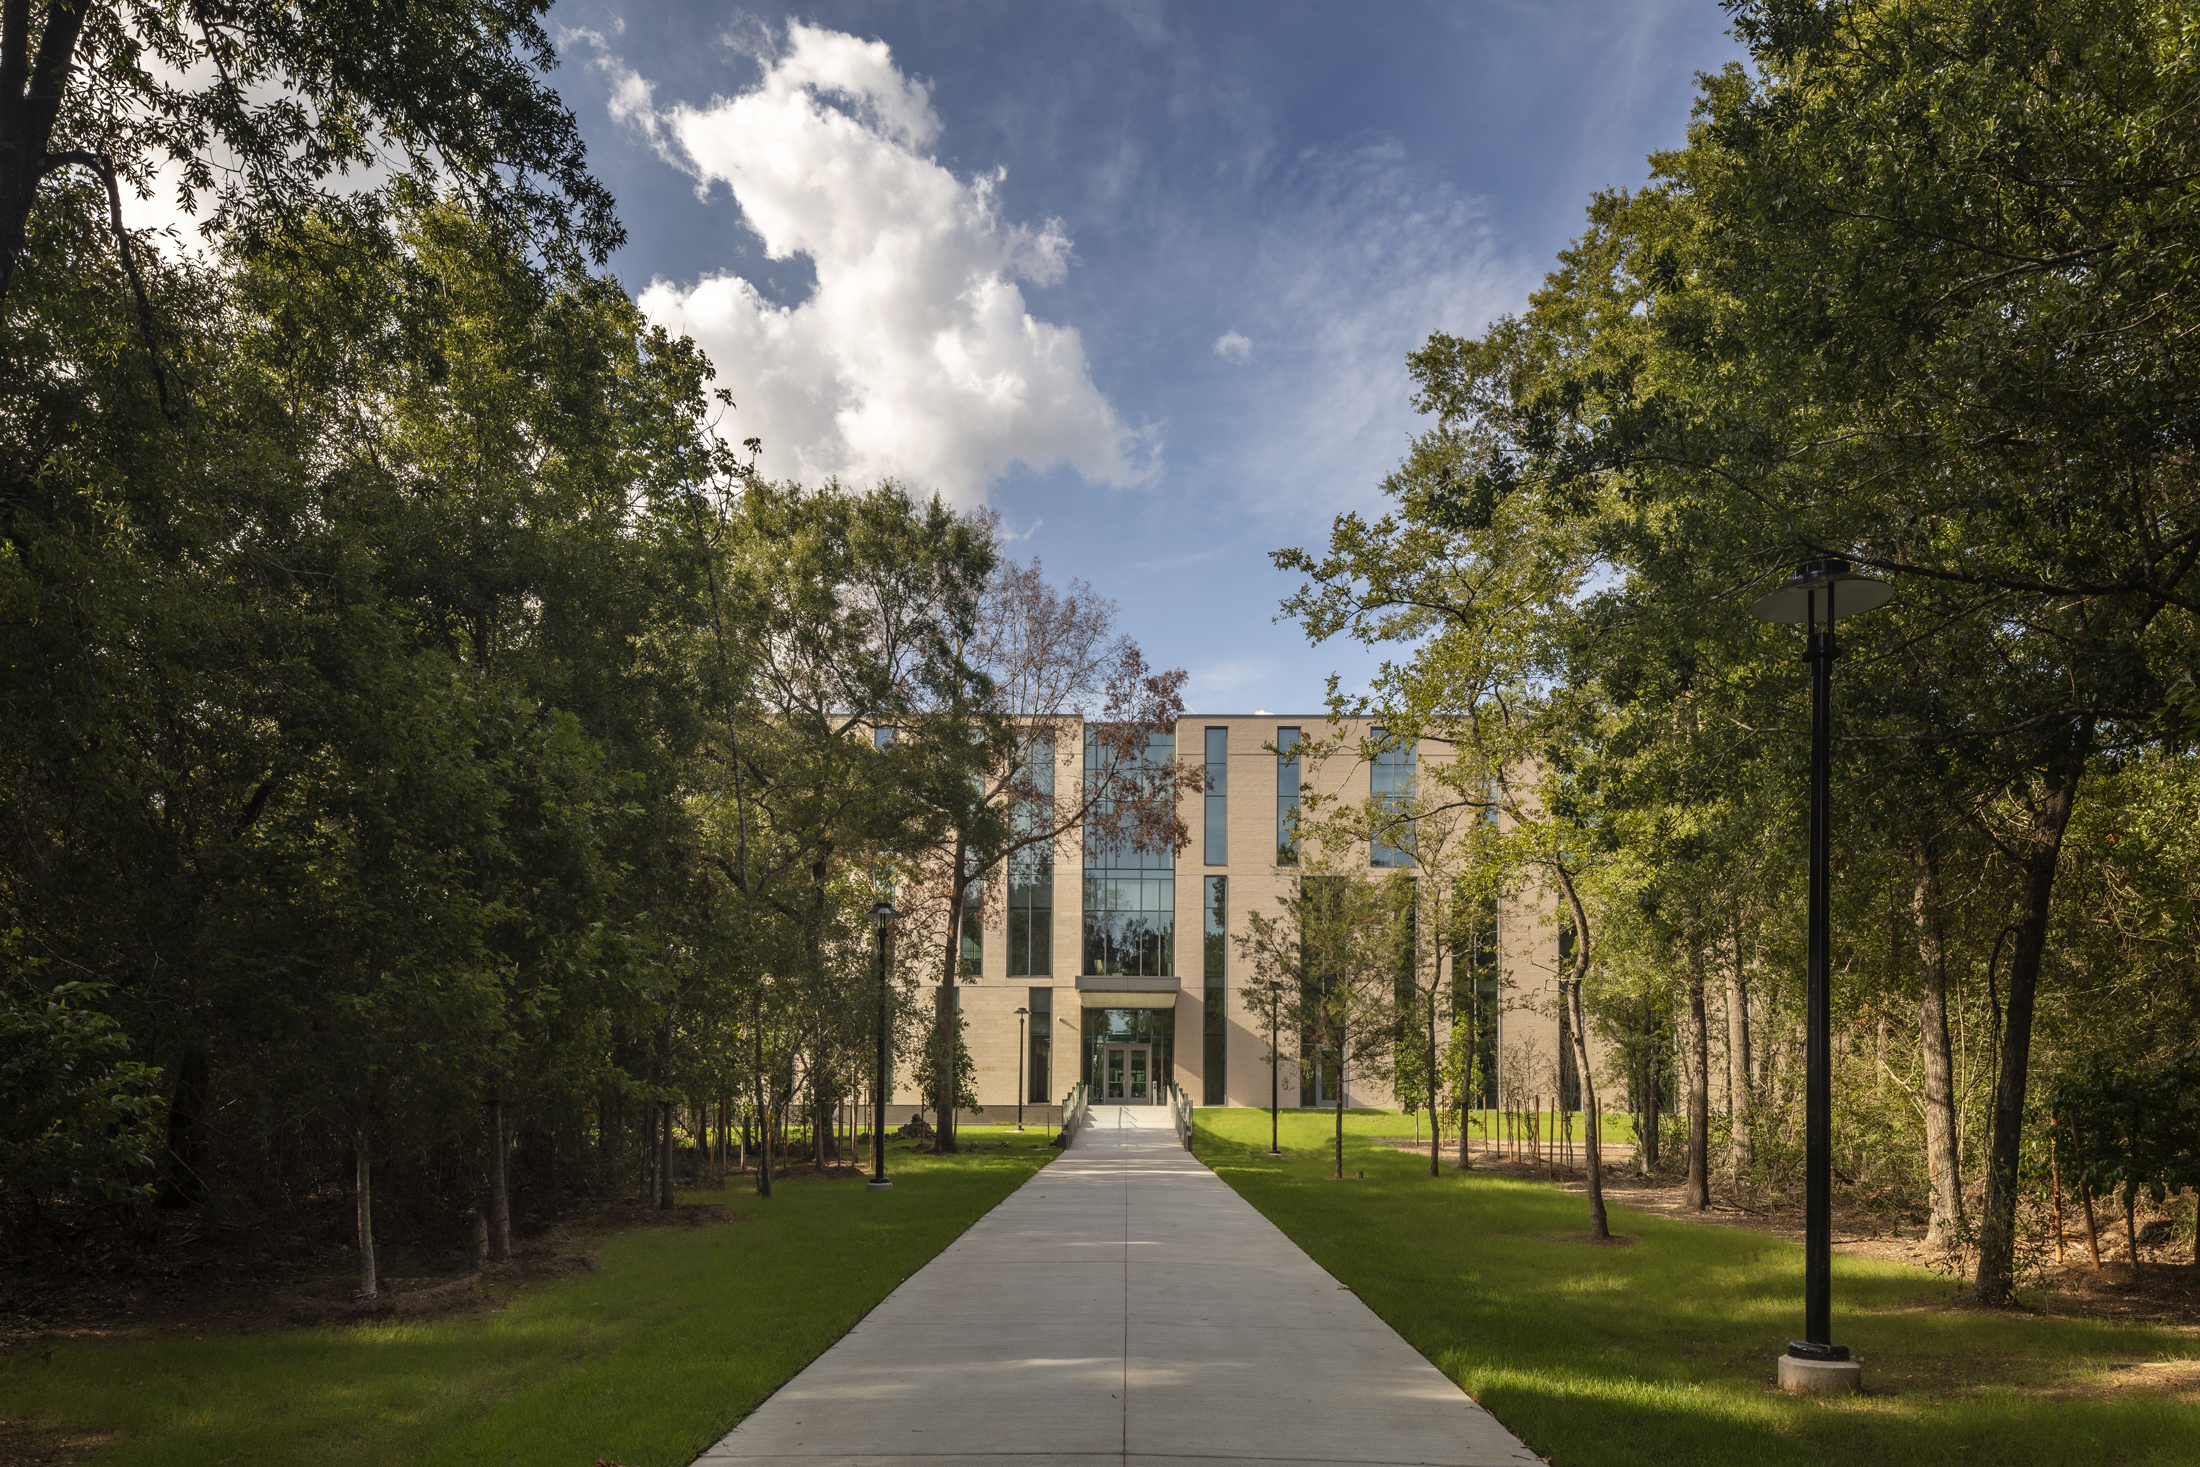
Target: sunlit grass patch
1661,1352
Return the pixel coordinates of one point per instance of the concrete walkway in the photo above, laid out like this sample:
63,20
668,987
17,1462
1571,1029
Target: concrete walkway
1122,1306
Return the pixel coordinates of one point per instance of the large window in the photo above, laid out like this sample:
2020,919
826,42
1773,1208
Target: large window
1218,801
1130,894
1391,783
1287,797
1041,1005
1031,879
1215,942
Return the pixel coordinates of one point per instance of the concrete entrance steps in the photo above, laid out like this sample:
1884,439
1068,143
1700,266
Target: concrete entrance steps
1123,1306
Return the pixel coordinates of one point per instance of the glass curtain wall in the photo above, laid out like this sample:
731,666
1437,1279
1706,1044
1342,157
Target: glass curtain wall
1130,894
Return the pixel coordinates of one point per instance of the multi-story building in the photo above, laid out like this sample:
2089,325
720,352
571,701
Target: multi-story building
1126,967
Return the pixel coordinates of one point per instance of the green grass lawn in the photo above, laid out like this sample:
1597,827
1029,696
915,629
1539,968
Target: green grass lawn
681,1333
1659,1352
1394,1123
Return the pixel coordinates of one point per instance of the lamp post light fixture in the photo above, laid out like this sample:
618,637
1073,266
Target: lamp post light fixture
1822,592
1275,1063
882,917
1020,1067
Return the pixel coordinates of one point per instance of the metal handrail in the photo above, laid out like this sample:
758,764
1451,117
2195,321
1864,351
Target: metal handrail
1075,1112
1180,1108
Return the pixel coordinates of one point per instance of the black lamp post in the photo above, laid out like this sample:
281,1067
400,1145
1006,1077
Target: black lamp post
1275,1063
1823,591
1020,1067
882,917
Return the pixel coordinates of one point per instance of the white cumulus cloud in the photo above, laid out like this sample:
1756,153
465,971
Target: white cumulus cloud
1233,346
916,354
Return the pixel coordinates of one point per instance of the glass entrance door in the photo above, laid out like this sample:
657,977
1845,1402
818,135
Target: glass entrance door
1126,1074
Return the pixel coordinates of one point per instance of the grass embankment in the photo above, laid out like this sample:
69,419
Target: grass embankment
678,1335
1659,1352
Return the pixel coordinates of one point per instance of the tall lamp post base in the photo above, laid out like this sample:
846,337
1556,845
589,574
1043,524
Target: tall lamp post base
875,1186
1803,1377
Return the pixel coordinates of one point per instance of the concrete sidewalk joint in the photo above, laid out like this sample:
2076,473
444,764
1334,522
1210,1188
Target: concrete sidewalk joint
1124,1305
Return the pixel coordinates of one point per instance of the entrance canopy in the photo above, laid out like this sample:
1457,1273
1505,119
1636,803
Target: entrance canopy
1115,992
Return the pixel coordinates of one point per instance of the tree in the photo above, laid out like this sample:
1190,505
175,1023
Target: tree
260,106
1335,945
1036,673
76,1118
1860,314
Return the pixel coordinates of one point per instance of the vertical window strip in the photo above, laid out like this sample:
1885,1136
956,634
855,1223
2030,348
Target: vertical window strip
1215,993
973,929
1031,879
1218,790
1039,1090
1287,797
1390,781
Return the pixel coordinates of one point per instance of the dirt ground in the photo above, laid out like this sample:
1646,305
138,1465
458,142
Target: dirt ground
2164,1289
235,1292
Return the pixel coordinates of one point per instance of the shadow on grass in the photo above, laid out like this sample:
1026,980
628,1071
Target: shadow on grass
680,1334
1662,1352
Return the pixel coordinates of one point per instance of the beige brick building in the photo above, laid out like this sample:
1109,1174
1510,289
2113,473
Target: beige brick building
1129,975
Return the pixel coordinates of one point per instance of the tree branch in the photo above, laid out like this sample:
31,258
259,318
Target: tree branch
99,164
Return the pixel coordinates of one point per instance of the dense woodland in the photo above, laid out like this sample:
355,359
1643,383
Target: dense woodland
1919,292
441,779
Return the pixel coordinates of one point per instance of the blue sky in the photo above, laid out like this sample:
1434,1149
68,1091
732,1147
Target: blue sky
1141,276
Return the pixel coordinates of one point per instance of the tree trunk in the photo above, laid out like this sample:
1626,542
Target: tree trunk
946,1032
1740,1150
2085,1195
1340,1110
368,1285
1592,1147
36,85
664,1154
763,1106
1942,1163
183,1169
1698,1191
1435,1140
500,1189
1997,1246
